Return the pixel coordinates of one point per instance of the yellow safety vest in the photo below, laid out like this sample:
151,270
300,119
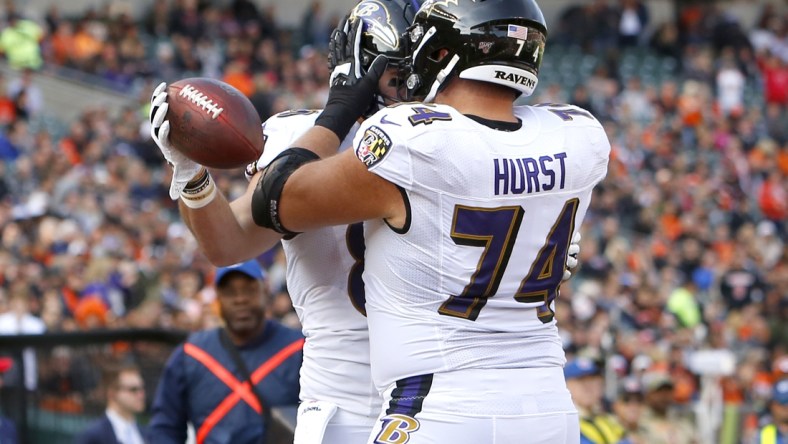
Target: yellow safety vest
601,430
768,435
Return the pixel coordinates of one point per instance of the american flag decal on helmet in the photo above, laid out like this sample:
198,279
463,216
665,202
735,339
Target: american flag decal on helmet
518,32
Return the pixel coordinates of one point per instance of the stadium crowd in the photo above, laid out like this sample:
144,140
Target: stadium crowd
683,249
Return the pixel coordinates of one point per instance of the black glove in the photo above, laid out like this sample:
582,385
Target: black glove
342,60
351,93
347,102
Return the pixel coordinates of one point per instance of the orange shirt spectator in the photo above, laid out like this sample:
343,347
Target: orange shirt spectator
86,46
238,76
7,110
773,197
775,79
63,43
691,105
782,161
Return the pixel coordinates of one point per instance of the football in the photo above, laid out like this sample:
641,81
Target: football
213,123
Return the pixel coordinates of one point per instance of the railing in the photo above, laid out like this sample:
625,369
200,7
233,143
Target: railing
54,388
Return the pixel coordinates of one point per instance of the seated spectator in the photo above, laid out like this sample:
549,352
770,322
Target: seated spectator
8,432
628,408
660,423
584,381
633,22
125,397
20,43
19,320
61,384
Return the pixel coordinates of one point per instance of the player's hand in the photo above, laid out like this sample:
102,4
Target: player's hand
184,169
344,52
251,170
352,94
571,258
349,102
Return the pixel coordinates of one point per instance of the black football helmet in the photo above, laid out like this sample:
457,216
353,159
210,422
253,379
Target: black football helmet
385,23
495,41
384,31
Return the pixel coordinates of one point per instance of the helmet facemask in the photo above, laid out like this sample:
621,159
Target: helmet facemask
383,31
480,43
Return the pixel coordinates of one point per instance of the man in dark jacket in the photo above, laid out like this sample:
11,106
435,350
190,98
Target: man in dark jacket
125,400
203,384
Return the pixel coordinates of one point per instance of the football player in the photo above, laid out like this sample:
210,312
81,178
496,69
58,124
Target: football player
470,205
339,402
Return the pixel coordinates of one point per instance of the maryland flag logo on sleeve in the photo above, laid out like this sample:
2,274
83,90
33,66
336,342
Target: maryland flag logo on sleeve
374,146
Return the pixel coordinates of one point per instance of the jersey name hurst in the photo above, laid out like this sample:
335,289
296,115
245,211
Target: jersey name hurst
529,175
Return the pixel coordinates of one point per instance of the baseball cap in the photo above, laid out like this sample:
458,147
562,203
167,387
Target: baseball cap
630,388
780,367
656,380
580,367
6,364
250,268
780,392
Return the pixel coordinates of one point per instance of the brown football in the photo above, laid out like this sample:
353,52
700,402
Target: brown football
213,123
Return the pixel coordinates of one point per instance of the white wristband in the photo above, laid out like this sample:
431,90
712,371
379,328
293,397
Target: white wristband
200,197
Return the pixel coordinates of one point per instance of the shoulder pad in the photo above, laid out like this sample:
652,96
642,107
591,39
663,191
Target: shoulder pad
411,117
565,114
281,130
288,120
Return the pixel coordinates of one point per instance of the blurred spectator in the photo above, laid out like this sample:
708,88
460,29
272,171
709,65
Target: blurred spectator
776,431
245,11
774,198
263,97
634,102
20,42
633,22
87,45
7,107
661,423
683,303
730,85
238,75
185,19
33,101
727,32
8,432
665,41
775,74
157,21
52,18
125,397
62,385
628,407
315,26
62,44
584,381
741,285
19,320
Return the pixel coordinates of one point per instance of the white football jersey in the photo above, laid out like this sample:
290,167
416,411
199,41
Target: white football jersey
469,282
324,281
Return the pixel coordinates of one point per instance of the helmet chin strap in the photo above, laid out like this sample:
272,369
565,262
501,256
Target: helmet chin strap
441,77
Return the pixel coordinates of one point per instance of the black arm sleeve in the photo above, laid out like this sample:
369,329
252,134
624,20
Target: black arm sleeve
266,197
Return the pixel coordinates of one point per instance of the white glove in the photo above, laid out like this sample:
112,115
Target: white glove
571,258
251,170
184,169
